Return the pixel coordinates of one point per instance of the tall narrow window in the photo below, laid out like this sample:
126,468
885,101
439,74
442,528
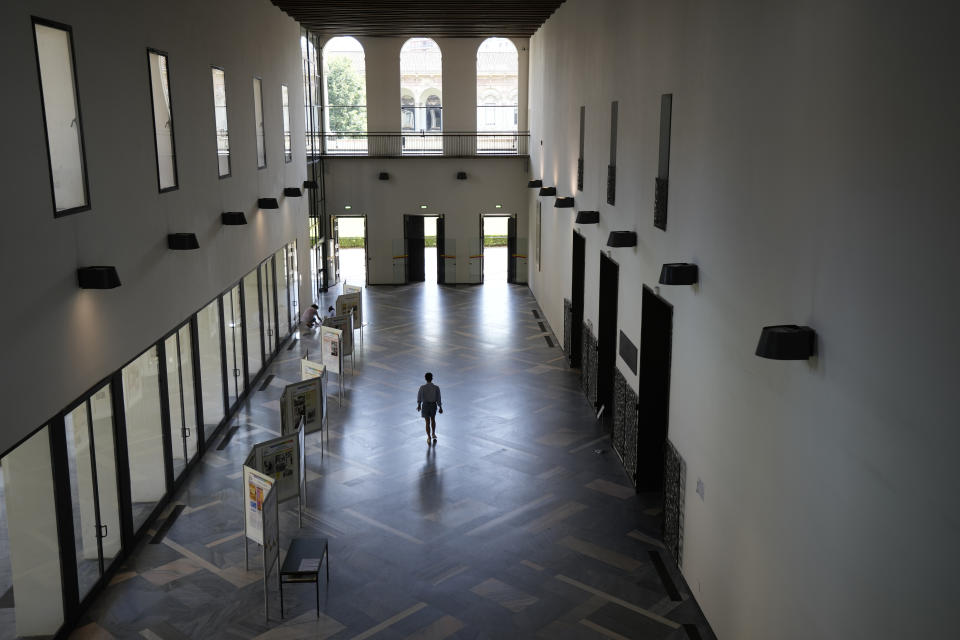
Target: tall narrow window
287,140
421,91
497,90
220,114
61,116
258,121
345,117
162,120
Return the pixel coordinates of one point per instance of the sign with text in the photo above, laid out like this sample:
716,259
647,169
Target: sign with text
345,324
331,349
310,369
350,303
304,399
256,485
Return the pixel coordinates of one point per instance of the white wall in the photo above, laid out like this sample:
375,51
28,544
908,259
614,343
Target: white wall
813,179
429,181
58,340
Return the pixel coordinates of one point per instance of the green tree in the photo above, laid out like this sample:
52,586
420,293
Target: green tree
346,95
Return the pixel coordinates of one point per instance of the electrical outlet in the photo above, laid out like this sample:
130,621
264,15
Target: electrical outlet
700,488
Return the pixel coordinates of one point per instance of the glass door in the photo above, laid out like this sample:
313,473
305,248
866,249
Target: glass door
293,283
283,299
251,305
269,310
233,338
93,486
181,400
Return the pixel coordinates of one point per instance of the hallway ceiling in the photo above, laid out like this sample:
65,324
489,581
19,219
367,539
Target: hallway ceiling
409,18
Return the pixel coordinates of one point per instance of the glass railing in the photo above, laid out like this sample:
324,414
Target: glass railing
421,143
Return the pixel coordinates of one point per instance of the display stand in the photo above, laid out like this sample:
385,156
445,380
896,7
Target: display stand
261,523
281,462
310,371
345,324
351,300
331,354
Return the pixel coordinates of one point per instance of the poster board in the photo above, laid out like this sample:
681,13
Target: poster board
331,350
310,369
256,486
345,324
350,303
306,398
271,532
352,288
280,458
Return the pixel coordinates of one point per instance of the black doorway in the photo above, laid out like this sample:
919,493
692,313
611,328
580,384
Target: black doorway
441,253
607,336
653,398
576,300
512,249
414,242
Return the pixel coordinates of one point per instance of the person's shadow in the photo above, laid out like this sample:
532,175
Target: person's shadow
431,484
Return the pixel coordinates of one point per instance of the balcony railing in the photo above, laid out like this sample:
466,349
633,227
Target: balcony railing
420,143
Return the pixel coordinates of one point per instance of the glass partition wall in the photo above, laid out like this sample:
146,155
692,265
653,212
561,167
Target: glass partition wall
83,487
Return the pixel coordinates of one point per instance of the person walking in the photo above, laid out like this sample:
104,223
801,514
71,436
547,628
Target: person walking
428,397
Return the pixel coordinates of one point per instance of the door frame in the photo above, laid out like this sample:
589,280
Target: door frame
510,258
335,237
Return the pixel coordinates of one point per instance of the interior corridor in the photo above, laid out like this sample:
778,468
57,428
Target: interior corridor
518,523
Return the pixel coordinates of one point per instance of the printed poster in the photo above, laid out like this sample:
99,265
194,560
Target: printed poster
331,340
256,485
351,288
350,303
310,369
345,324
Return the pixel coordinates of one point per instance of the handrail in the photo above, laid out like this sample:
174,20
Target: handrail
457,144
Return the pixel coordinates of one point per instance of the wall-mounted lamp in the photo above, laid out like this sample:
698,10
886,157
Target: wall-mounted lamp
423,206
383,176
98,278
787,342
564,203
182,241
535,184
588,217
347,207
548,191
679,273
310,184
233,218
622,239
461,175
267,203
292,192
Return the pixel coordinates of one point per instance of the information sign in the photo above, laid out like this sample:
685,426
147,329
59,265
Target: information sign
310,369
350,303
304,399
351,288
256,485
331,353
345,324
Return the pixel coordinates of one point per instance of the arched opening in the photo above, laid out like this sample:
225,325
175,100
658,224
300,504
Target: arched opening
345,96
421,74
497,91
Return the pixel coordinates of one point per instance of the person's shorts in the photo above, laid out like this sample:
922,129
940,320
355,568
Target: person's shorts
428,409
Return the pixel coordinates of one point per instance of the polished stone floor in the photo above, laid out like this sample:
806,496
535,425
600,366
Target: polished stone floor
517,523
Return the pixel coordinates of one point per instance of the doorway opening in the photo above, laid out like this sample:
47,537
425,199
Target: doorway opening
498,245
349,234
423,247
607,337
576,300
653,397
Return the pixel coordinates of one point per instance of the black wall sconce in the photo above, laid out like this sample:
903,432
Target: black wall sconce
461,175
310,184
98,278
679,273
233,218
267,203
787,342
564,203
548,191
535,184
588,217
182,241
622,239
292,192
383,176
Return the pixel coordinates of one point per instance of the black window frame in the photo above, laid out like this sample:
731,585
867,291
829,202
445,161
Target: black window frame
153,116
263,119
215,135
34,21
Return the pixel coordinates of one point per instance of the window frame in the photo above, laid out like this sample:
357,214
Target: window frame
229,172
287,129
263,120
173,141
34,21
